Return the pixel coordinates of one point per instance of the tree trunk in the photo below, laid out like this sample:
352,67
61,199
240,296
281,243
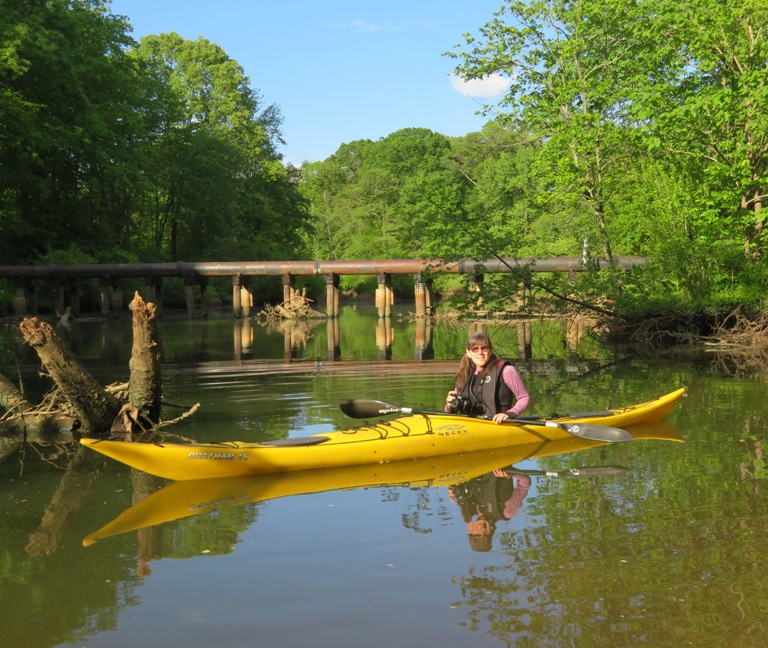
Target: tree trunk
146,387
94,406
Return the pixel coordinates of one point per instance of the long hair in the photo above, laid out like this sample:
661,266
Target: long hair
467,367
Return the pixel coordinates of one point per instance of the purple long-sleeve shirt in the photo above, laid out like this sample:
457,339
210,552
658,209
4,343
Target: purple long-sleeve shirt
512,379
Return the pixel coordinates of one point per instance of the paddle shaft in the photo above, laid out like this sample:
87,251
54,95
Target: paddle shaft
588,471
364,408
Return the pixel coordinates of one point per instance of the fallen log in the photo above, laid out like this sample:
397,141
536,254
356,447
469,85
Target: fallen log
94,406
79,406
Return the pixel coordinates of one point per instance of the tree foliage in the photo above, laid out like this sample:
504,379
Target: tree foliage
118,151
66,100
214,177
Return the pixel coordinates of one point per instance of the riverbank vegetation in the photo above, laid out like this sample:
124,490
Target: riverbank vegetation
628,128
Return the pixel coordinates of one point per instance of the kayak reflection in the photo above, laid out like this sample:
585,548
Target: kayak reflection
498,496
187,498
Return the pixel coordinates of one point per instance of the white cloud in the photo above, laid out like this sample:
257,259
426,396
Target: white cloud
489,87
364,26
360,26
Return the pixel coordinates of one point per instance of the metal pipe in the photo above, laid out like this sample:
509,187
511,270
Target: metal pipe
309,268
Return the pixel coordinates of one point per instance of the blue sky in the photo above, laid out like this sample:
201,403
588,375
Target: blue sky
340,70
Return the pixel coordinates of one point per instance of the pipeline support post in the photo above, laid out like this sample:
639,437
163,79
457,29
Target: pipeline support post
420,296
67,294
476,279
289,281
154,287
105,290
523,295
62,288
205,301
246,297
74,297
423,293
116,298
384,295
237,310
332,295
22,297
189,295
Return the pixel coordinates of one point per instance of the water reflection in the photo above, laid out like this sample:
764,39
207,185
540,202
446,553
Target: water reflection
469,477
297,337
356,335
671,548
72,491
188,498
488,499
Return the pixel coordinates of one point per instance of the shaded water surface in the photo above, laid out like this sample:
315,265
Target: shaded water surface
666,549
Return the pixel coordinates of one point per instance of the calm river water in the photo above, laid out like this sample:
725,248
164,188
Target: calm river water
667,551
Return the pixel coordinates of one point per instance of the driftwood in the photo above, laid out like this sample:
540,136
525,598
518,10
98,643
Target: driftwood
297,307
93,405
24,421
79,406
11,397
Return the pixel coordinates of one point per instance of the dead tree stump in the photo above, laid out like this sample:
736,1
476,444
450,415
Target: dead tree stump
146,387
94,406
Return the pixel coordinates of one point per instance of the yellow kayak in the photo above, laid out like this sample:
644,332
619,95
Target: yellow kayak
415,436
187,498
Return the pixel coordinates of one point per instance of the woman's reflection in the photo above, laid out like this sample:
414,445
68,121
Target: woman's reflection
485,500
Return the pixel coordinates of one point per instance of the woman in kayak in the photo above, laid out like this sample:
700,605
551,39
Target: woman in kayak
486,385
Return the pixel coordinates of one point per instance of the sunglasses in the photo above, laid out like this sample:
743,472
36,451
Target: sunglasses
477,349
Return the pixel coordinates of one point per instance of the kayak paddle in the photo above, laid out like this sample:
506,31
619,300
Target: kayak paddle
364,408
587,471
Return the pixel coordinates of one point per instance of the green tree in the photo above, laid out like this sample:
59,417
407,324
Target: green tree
332,188
68,106
499,207
708,109
569,66
215,184
410,189
384,199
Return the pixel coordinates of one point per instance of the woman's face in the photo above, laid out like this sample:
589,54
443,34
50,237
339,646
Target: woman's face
479,354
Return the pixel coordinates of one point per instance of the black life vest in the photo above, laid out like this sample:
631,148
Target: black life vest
485,496
491,393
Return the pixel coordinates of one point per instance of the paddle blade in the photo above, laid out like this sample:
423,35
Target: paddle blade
364,408
588,431
593,471
597,432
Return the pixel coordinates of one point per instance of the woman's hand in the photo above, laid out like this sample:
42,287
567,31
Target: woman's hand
500,417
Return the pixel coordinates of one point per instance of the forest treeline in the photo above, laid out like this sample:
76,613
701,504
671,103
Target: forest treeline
629,127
